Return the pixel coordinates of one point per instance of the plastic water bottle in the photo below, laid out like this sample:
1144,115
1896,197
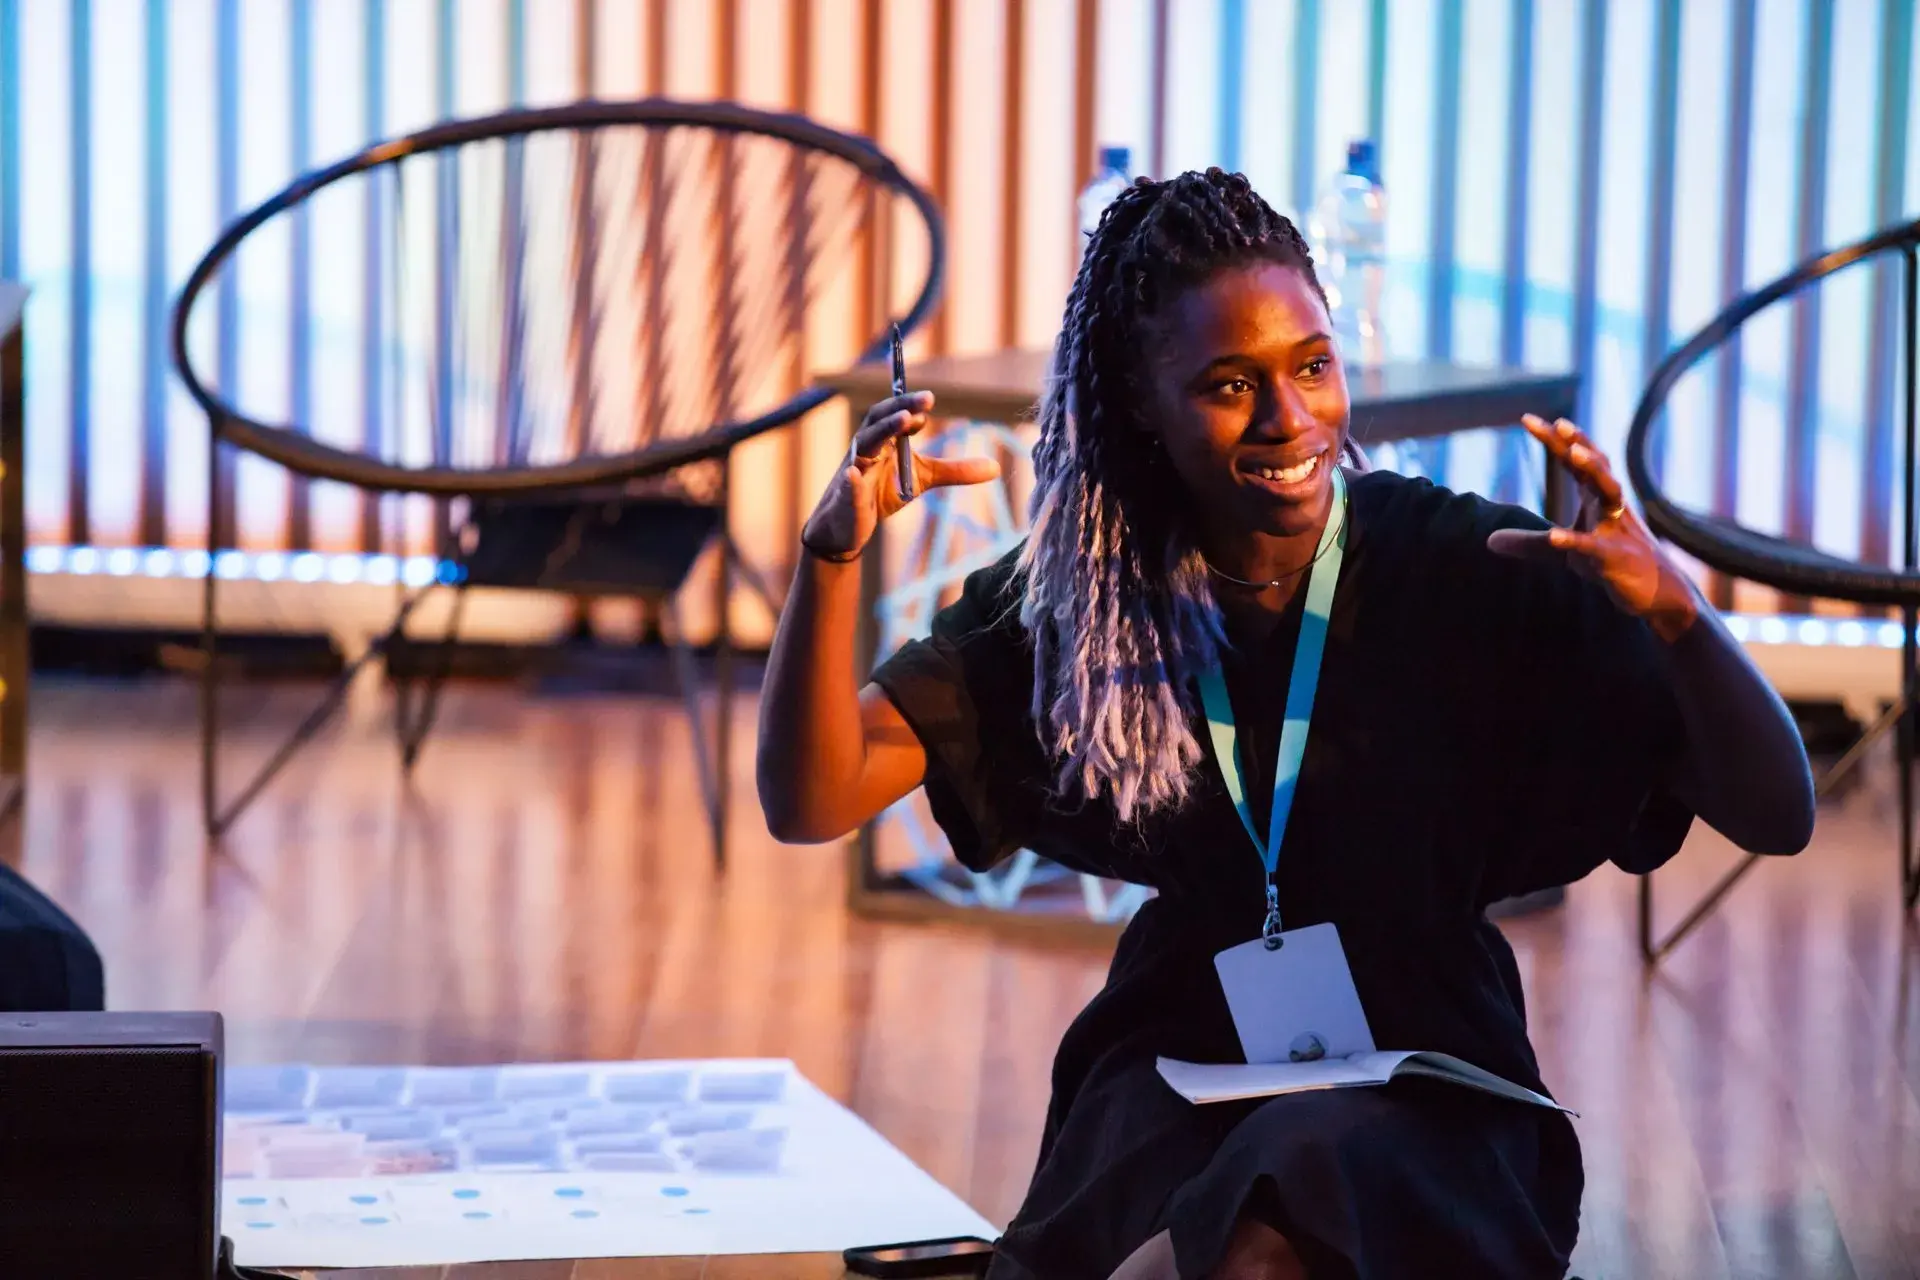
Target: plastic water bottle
1113,177
1353,235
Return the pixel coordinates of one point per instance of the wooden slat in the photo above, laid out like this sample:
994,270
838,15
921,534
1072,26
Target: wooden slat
1157,78
1086,81
800,100
1012,157
873,268
940,154
1728,375
80,281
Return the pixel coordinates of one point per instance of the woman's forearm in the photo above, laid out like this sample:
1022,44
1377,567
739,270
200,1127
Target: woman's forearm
812,744
1746,771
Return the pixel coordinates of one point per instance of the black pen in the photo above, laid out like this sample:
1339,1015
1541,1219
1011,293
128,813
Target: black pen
902,450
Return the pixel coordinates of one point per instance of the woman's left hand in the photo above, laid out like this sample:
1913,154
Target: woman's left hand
1607,542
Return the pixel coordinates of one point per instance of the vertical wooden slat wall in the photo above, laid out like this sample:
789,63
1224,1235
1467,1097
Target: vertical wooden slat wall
997,106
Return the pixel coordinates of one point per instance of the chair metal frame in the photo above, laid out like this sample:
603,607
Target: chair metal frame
290,447
1733,549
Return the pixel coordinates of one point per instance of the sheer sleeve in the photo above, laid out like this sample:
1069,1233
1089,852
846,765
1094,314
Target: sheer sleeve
965,691
1589,734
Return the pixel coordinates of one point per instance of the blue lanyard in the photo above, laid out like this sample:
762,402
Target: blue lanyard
1301,685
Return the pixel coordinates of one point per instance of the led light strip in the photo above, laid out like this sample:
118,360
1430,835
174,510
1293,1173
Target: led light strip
248,566
418,571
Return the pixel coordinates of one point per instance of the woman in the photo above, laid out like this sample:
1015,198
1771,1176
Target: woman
1499,707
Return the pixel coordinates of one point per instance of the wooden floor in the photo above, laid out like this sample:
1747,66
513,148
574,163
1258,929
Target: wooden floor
545,891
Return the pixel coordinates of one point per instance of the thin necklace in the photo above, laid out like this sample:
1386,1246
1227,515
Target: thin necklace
1281,581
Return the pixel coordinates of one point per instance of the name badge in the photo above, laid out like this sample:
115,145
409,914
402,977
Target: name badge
1296,1003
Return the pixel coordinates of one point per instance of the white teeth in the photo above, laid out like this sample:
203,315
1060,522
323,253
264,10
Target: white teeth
1291,475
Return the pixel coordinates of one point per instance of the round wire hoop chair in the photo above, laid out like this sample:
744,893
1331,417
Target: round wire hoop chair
556,327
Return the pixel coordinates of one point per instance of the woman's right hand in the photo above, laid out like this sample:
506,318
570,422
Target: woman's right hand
864,492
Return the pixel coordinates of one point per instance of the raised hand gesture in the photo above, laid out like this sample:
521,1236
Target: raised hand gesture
1607,542
864,492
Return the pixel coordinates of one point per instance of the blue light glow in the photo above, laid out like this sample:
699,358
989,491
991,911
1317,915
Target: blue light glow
313,568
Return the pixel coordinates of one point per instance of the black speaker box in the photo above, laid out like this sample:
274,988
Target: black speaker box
109,1146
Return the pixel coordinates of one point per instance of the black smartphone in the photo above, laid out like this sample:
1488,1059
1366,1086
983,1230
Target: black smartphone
902,450
957,1256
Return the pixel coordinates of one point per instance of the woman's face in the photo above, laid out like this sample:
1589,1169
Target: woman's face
1250,399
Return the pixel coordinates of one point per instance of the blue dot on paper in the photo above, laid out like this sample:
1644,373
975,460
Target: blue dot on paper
253,1199
673,1191
374,1222
571,1193
259,1226
364,1199
466,1194
586,1213
478,1213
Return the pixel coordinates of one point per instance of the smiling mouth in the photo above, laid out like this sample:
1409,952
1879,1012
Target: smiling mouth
1289,477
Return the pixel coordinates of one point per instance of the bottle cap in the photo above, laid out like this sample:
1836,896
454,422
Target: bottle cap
1116,160
1363,159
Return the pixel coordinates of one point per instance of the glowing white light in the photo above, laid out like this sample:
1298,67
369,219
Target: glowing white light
382,571
1811,631
270,566
343,569
193,564
1773,631
121,561
230,565
1739,628
419,570
83,560
1850,634
307,567
1889,635
43,559
157,563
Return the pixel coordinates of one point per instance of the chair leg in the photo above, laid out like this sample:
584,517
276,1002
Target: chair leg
1894,720
687,675
1904,750
413,732
1903,753
723,704
209,695
218,819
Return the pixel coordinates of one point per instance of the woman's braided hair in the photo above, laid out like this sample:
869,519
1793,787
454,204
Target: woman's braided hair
1115,595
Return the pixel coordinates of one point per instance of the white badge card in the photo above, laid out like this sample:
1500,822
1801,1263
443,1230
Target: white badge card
1296,1003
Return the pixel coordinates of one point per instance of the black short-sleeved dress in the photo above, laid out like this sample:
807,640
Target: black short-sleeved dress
1484,727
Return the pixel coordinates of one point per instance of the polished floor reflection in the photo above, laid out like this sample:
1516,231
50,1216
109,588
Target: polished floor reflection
545,890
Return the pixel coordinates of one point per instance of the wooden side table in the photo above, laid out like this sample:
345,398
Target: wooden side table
1415,400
